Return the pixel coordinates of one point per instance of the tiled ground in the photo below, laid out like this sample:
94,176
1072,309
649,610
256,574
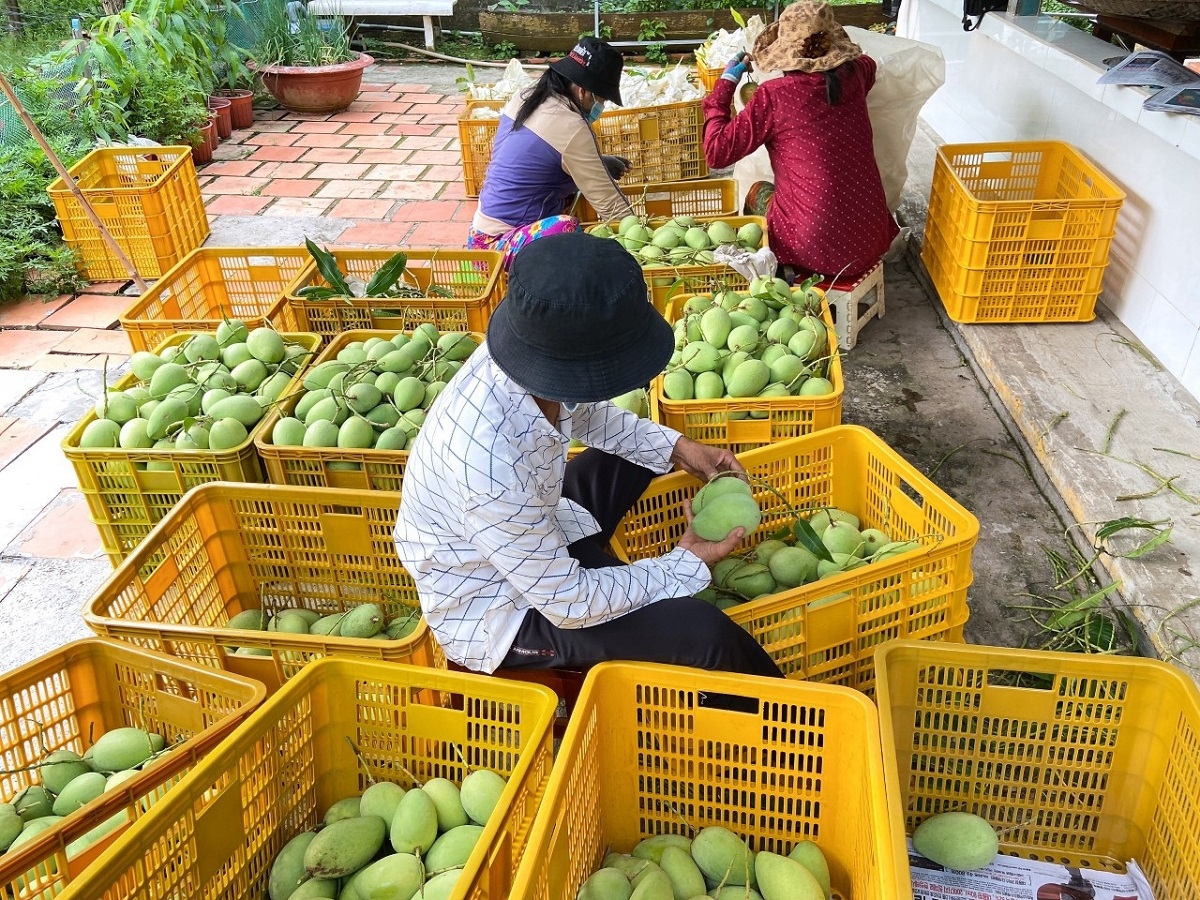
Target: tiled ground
389,165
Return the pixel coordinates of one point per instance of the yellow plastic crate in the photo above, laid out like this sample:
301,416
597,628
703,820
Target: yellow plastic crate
662,142
703,197
1022,286
215,283
919,594
708,75
222,827
1019,232
356,470
1085,760
149,200
709,422
126,499
75,694
225,548
650,747
475,278
475,139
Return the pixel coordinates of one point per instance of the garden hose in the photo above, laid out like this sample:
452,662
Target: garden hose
455,59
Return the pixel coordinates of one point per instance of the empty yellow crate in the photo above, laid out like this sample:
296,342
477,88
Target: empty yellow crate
361,470
1081,759
709,422
211,284
66,700
664,749
148,198
218,832
225,548
475,279
1019,232
126,498
703,197
1021,286
919,594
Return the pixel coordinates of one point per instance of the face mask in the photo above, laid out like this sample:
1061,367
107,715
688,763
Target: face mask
570,408
597,109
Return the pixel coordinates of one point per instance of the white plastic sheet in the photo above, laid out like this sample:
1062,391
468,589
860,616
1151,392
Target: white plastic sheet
639,87
907,74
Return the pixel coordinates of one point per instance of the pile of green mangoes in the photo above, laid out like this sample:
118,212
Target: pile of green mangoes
783,564
365,622
203,394
768,342
70,781
716,863
389,843
375,393
680,241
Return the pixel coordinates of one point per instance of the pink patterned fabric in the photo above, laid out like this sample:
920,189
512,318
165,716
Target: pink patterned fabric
510,243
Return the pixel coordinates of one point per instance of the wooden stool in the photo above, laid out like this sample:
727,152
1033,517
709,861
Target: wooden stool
846,296
566,683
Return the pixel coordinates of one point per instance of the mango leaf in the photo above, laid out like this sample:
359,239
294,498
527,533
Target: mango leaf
1115,526
1161,538
387,276
1101,633
737,17
328,268
807,537
1075,612
316,292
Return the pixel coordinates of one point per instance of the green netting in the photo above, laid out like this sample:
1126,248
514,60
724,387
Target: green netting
243,30
12,129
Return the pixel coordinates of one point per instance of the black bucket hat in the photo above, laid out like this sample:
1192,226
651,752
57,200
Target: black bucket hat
595,66
576,325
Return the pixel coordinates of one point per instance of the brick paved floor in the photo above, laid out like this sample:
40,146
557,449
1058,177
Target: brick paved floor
390,164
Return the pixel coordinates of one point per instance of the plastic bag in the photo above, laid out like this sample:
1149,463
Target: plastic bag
750,265
722,46
656,87
907,74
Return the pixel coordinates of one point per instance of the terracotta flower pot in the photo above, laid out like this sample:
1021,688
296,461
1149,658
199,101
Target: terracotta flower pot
316,89
241,106
221,107
203,152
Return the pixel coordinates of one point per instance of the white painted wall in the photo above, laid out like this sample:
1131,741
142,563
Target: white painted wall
1034,78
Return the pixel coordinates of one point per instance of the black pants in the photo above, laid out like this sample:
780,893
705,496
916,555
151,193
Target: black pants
682,631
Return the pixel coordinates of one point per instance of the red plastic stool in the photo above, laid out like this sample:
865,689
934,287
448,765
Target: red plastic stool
845,297
566,683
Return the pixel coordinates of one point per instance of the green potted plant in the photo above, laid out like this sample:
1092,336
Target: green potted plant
169,108
305,60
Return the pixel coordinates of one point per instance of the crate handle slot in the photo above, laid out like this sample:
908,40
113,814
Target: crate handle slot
1020,679
728,702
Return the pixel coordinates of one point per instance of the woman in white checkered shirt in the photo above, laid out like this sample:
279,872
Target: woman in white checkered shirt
506,539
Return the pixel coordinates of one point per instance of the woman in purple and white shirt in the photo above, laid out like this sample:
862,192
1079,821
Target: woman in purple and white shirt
545,153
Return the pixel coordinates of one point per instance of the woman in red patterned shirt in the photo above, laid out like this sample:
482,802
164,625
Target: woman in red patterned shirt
827,213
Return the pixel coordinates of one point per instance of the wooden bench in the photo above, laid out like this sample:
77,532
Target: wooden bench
426,9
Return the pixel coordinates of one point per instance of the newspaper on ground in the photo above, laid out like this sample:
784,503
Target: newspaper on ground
1179,86
1011,878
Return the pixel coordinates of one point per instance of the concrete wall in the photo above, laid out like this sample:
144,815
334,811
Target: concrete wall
1034,78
